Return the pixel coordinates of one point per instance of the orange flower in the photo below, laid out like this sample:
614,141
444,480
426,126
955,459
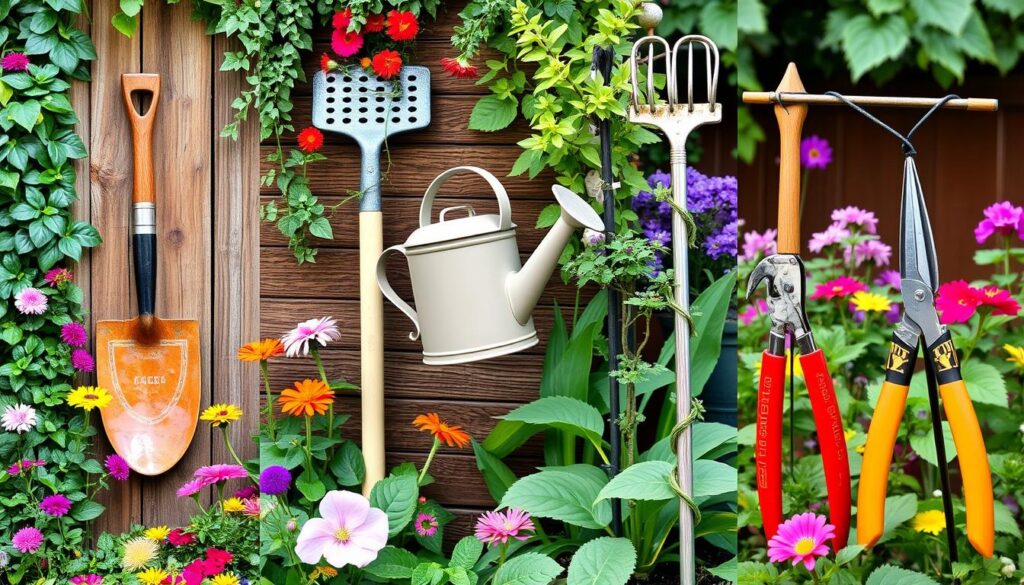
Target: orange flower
310,140
307,398
260,351
402,26
451,435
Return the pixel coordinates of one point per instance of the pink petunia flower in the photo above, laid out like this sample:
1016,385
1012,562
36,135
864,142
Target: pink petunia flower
74,334
117,467
755,243
801,539
815,152
495,527
58,276
90,579
18,418
318,331
31,301
346,43
1000,300
751,311
28,540
14,62
841,287
855,216
426,524
1002,218
874,251
348,532
957,302
56,505
82,361
212,474
833,235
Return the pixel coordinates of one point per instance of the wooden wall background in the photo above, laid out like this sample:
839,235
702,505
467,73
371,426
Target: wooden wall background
207,207
966,162
470,394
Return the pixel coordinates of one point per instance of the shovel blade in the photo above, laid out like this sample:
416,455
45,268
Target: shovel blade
152,371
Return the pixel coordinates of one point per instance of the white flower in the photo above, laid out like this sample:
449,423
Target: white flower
1021,428
19,418
318,331
1008,567
937,494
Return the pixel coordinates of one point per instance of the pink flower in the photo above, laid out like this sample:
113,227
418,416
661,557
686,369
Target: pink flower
247,492
19,418
890,278
58,276
82,361
56,505
74,334
346,43
179,537
191,488
957,302
1000,300
212,474
426,525
870,250
252,507
319,331
855,216
28,540
801,539
833,235
751,311
1001,218
755,243
30,301
348,532
841,287
815,152
117,467
24,465
14,62
90,579
495,527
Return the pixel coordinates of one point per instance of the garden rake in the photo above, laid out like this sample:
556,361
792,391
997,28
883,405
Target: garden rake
676,120
369,109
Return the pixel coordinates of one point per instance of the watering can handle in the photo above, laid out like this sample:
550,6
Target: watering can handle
504,207
389,292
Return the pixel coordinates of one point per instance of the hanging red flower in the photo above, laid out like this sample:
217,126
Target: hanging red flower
346,44
459,67
387,64
310,140
402,26
374,23
342,19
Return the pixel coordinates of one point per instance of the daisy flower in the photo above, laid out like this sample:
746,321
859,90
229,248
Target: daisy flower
459,67
251,507
233,505
191,488
315,331
841,287
426,525
157,533
1016,354
495,527
451,435
89,397
212,474
929,521
801,539
19,418
306,398
224,579
386,64
815,152
402,26
221,414
870,302
30,301
152,576
310,140
260,351
138,552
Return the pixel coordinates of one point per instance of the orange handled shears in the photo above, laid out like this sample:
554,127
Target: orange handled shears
920,326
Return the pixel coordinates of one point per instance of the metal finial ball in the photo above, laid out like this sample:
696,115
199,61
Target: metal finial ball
651,15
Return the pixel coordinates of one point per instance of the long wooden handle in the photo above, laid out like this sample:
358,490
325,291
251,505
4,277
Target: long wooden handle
142,132
371,333
791,121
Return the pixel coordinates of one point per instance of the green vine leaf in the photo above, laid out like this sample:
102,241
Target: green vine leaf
493,113
867,42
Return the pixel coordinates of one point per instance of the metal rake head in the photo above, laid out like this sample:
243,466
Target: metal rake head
360,105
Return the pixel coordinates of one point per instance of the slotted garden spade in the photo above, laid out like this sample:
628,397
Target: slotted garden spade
368,110
150,365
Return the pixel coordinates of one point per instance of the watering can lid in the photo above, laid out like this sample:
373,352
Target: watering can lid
454,229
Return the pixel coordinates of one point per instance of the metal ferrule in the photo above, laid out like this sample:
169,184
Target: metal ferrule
777,343
143,218
805,343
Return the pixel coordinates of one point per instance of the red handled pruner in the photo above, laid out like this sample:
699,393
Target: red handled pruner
784,274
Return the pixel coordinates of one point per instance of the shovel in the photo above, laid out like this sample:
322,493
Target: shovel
150,365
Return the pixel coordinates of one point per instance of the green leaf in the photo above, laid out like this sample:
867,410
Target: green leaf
321,228
648,480
347,465
975,40
867,42
527,569
466,552
497,475
750,17
718,21
713,478
124,24
891,575
1014,8
924,444
86,510
566,414
988,257
726,571
25,114
849,553
984,383
949,15
392,563
563,493
396,496
882,7
603,561
899,509
710,310
493,113
310,486
1005,521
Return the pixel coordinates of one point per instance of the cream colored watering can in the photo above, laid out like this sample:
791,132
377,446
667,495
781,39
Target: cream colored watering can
474,300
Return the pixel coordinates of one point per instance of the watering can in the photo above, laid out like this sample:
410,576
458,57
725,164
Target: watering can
474,299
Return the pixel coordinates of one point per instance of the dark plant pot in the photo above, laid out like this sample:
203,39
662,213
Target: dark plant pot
719,394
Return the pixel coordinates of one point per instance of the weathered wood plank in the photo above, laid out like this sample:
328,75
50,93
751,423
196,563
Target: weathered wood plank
457,481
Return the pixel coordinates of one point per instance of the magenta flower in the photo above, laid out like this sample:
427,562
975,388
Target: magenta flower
90,579
55,505
24,465
19,418
191,488
841,287
957,302
249,491
833,235
318,331
275,480
495,527
30,301
212,474
815,152
889,278
755,243
14,62
870,250
82,361
28,540
426,525
801,539
348,532
855,216
58,276
74,334
1001,218
751,311
117,467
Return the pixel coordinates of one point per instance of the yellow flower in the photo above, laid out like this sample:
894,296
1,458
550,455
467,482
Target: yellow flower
233,505
930,521
868,302
861,448
89,397
138,552
1016,354
224,579
798,372
152,576
328,572
157,533
849,435
219,414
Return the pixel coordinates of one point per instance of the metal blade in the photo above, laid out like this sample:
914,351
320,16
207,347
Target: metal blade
917,247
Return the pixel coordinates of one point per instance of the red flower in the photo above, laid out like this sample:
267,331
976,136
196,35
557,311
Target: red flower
346,44
387,64
216,560
459,67
311,140
402,26
1000,301
957,301
179,537
374,23
327,64
342,19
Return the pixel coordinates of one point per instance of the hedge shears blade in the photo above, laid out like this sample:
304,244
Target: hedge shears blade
920,326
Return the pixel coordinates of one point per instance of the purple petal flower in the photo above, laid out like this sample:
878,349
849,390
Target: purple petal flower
815,152
832,236
1001,218
14,62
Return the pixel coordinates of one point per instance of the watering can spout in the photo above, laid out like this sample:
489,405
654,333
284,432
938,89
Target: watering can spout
525,286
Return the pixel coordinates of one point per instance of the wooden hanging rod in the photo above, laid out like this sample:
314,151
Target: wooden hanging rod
772,97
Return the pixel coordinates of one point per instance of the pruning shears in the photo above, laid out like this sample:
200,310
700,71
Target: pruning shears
920,326
786,283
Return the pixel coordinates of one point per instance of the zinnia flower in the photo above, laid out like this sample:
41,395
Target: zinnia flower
930,521
957,302
260,351
387,64
459,67
221,414
82,361
801,539
841,287
495,527
117,467
426,525
1000,300
402,26
311,140
275,480
873,250
191,488
348,532
90,579
833,235
56,505
19,418
232,505
58,276
30,301
14,62
316,331
815,152
212,474
89,397
346,43
138,552
870,302
890,278
74,334
451,435
855,216
152,576
178,537
1016,354
327,64
1002,218
27,540
157,533
224,579
374,23
342,19
306,398
251,507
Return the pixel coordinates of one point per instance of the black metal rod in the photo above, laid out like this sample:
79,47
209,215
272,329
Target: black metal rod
940,454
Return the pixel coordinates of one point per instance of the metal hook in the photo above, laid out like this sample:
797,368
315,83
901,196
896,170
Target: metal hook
671,54
634,72
711,62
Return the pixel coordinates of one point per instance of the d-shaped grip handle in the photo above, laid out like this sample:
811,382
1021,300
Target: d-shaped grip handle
504,206
389,292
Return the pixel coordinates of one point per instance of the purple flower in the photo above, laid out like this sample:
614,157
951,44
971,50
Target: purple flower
30,301
592,238
82,361
55,505
14,62
871,250
815,152
893,314
27,540
722,242
1012,504
74,334
1001,218
659,178
755,243
889,278
855,216
117,467
833,235
275,480
249,491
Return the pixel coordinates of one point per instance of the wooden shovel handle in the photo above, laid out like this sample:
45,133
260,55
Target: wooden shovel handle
791,121
142,132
